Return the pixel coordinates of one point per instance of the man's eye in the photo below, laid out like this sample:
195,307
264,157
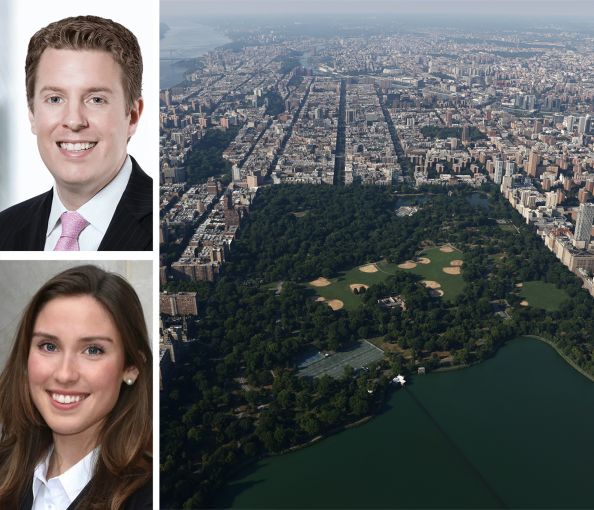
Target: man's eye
54,100
97,100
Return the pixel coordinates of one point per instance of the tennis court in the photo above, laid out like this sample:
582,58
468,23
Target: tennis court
357,356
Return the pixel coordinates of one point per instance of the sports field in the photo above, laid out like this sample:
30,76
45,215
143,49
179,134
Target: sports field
442,269
543,295
357,356
341,287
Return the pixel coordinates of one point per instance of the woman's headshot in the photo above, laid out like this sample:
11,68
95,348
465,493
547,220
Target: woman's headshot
76,398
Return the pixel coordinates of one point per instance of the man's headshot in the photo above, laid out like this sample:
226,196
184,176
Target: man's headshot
84,97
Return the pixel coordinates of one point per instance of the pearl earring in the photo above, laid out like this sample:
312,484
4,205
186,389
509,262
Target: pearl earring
129,381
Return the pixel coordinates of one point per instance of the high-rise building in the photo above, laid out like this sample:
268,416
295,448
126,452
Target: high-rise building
533,161
498,175
465,134
509,168
583,195
583,124
551,199
583,225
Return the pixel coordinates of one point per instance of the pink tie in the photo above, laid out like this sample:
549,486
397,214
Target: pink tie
72,225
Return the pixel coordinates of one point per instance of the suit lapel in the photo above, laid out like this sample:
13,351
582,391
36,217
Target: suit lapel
31,234
131,225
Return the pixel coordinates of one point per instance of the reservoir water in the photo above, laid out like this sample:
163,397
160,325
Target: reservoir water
186,38
516,431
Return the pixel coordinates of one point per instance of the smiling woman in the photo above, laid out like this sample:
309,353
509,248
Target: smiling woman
75,398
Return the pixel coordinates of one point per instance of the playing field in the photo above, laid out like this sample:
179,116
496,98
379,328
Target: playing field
357,356
451,284
542,295
340,287
430,266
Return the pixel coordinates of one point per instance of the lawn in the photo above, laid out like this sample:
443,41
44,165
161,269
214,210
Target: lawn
451,285
339,289
543,295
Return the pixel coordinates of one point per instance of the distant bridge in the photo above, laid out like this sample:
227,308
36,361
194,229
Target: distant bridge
173,54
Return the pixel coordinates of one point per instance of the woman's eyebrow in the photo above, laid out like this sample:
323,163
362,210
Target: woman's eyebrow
44,335
90,338
93,338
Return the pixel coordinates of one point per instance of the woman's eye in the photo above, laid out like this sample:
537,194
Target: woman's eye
94,350
48,347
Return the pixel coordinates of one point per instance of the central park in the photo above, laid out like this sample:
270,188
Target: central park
322,269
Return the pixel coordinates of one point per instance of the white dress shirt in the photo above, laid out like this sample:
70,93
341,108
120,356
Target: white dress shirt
98,212
59,492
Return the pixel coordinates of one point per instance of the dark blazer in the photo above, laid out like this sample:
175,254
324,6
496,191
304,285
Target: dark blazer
142,499
23,226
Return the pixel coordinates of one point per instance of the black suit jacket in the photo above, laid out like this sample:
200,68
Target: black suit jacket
142,499
23,226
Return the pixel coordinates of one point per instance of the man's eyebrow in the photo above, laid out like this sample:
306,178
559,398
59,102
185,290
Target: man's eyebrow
90,90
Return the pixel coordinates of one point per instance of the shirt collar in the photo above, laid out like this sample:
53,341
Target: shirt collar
100,209
73,480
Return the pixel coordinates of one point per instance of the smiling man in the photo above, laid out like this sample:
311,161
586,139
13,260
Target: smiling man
83,79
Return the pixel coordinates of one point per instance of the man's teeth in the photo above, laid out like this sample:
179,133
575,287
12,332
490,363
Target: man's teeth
76,147
67,399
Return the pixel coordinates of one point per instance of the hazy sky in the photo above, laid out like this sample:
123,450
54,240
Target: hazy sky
511,8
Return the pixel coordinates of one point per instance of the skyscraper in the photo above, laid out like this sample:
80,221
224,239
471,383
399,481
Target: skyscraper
498,175
533,161
583,225
583,124
465,134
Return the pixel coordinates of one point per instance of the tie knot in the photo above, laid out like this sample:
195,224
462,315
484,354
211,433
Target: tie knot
72,224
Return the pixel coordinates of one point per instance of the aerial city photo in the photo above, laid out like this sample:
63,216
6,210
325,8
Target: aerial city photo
376,254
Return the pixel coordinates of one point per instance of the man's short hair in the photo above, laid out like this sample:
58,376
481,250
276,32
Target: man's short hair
88,33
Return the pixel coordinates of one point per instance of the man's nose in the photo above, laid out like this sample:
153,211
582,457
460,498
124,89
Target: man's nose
75,117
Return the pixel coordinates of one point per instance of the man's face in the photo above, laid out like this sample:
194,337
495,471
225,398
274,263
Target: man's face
80,116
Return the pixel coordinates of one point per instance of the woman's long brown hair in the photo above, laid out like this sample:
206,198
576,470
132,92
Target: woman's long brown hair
125,461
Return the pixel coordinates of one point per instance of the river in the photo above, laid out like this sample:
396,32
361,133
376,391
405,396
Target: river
186,38
514,431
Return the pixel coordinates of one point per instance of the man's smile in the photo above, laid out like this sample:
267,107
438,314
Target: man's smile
76,147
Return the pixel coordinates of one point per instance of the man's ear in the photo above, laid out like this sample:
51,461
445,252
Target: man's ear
135,113
32,121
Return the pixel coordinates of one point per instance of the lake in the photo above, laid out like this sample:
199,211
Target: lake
514,431
185,39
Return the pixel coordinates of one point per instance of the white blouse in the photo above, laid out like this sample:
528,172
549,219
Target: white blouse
59,492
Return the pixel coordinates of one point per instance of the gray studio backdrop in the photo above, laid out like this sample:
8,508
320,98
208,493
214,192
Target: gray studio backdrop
20,279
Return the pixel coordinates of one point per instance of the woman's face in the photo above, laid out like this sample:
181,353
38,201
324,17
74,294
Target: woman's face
75,366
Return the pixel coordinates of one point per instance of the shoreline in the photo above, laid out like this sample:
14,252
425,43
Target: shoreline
326,435
565,358
174,62
369,417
